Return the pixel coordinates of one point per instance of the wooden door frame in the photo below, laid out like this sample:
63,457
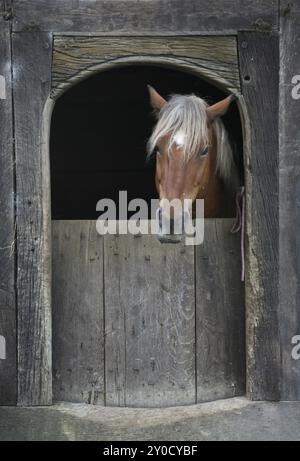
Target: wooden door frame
34,306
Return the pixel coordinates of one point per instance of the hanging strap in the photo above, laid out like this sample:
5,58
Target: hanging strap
239,225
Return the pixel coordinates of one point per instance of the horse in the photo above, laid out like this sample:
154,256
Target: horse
194,159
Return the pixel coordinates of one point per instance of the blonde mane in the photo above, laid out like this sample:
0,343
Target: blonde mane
186,117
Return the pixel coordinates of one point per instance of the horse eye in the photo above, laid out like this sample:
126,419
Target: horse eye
204,152
156,151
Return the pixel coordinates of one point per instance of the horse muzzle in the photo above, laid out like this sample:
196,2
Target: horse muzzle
171,230
169,238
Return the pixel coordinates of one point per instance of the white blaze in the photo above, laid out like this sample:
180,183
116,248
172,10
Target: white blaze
179,139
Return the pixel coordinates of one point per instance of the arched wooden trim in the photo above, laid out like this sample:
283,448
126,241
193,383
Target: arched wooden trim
172,63
45,146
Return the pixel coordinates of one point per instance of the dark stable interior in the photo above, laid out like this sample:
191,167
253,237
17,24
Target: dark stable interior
99,132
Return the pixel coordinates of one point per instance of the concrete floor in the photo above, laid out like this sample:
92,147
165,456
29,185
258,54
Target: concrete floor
232,419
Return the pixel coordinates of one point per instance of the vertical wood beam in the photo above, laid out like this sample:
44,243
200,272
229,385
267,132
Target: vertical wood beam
259,64
32,75
289,187
8,372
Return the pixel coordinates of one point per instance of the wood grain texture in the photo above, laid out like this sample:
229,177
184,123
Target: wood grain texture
149,314
32,72
220,314
259,63
77,312
289,193
145,16
8,372
150,322
6,11
78,57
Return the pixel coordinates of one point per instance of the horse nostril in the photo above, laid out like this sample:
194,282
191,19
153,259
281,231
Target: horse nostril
172,226
160,217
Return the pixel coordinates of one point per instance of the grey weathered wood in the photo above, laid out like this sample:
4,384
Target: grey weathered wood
289,188
8,367
259,63
145,17
149,297
8,372
77,312
78,57
220,314
6,10
149,322
32,73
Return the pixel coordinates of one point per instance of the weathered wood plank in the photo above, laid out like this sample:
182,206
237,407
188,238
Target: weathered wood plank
77,312
150,322
259,63
289,205
8,367
216,57
32,74
8,371
144,16
6,10
220,314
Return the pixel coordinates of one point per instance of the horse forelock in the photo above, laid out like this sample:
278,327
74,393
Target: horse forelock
183,120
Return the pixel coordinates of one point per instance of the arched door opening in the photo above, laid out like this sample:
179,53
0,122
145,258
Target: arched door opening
135,322
99,132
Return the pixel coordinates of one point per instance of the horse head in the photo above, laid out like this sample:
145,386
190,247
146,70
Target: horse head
192,155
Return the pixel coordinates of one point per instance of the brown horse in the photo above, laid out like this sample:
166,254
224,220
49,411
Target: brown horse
194,158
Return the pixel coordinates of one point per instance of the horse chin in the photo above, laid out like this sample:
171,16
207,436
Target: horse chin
169,238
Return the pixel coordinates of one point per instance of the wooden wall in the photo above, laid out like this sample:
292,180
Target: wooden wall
8,374
145,17
289,199
137,323
29,25
31,80
259,66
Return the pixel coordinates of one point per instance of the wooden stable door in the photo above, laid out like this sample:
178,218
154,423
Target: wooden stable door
46,62
137,323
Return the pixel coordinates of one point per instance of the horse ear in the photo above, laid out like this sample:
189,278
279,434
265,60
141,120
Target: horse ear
220,108
156,100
